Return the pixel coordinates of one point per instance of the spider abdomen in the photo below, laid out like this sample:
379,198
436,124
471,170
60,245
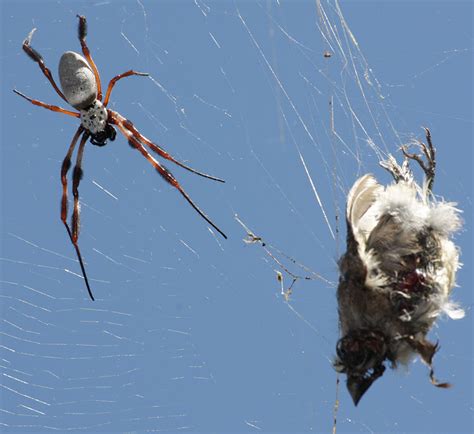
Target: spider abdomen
77,80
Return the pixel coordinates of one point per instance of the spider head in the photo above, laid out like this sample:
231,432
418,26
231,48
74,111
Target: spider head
101,138
360,355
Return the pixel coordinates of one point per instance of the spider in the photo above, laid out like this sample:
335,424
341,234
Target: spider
81,88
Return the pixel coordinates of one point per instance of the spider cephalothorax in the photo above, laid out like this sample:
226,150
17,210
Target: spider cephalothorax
82,89
95,119
397,273
102,137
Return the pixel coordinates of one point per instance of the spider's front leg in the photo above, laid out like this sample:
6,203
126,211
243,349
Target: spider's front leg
134,142
128,125
429,152
65,166
77,175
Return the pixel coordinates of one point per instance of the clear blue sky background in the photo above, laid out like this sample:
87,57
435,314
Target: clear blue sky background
189,331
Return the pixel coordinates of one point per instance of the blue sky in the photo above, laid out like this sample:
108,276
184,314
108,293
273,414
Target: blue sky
190,331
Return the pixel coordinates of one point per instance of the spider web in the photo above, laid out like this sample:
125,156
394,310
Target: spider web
289,102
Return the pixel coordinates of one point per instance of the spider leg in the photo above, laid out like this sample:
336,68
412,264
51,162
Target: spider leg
53,108
36,57
66,165
77,175
164,172
117,78
155,148
82,33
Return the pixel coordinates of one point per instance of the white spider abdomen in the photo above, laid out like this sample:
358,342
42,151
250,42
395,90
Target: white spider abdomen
94,118
77,80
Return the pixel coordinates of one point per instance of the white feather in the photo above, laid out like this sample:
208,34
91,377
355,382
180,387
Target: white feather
360,199
406,202
400,201
444,218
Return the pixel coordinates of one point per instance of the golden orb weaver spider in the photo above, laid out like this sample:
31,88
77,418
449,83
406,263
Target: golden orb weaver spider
82,89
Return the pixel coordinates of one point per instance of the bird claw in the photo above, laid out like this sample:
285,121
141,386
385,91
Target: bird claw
429,152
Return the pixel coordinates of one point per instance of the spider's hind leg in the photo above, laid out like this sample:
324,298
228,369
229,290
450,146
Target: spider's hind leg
119,77
36,57
82,33
53,108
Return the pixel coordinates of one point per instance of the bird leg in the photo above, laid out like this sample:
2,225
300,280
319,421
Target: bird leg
429,165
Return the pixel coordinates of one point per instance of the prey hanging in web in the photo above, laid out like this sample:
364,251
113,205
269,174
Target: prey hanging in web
398,272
